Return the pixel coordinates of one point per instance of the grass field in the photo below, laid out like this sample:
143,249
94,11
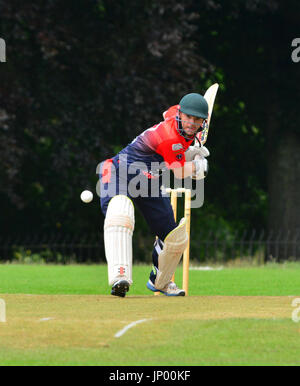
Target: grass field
64,315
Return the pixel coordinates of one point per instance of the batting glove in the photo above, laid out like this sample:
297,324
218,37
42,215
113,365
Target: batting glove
192,151
201,166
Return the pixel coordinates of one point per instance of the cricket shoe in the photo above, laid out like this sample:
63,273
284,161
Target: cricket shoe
170,289
120,288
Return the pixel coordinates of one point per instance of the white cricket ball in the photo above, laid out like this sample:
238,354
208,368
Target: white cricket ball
86,196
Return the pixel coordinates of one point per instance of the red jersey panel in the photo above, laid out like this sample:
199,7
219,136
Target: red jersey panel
163,139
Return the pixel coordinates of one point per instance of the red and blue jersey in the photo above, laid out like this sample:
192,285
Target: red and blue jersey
160,143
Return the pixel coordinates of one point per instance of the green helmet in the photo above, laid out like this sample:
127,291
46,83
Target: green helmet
194,104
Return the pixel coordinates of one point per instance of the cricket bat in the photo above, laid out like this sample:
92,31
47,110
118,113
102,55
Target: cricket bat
210,96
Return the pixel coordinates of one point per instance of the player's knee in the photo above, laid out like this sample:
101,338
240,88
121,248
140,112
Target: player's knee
120,213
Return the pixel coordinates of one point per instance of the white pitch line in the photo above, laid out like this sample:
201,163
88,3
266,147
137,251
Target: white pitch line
205,269
126,328
45,319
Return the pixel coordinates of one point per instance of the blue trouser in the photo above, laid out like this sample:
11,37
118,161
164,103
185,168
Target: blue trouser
157,211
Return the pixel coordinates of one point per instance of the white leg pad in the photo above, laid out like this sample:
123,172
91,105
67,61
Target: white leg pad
118,231
174,246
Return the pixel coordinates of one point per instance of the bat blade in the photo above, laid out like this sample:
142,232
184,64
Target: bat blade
210,96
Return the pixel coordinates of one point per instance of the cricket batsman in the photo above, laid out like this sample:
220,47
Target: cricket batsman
168,143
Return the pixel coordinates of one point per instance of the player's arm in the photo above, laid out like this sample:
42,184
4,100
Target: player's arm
195,165
187,170
196,169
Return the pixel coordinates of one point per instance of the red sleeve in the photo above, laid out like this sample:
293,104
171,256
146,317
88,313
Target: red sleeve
173,158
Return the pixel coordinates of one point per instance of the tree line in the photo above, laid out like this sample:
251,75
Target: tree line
82,79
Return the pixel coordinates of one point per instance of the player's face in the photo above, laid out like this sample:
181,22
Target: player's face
190,123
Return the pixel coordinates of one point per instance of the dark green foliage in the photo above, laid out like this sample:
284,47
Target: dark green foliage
83,78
